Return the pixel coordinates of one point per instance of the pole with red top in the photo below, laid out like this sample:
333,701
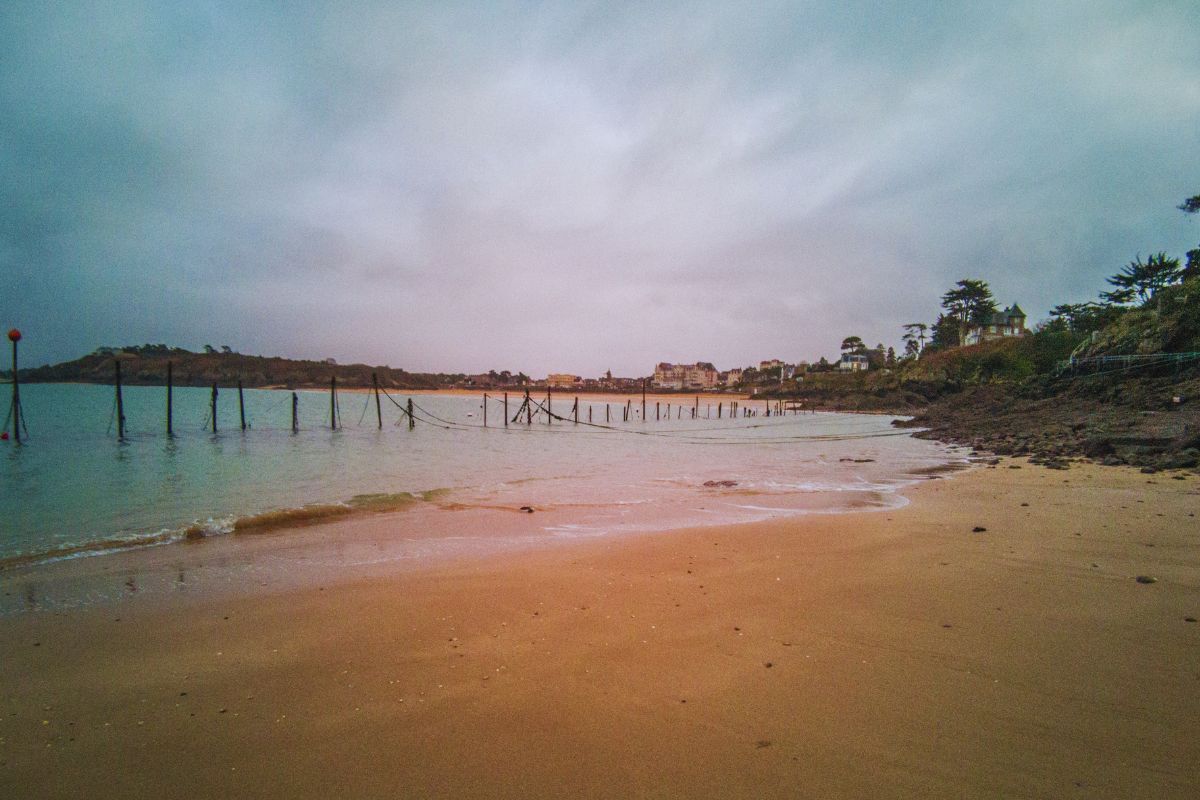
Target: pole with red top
14,336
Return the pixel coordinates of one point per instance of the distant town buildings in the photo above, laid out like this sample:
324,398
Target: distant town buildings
1009,322
561,380
701,375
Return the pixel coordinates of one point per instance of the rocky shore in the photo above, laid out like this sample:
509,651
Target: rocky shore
1151,422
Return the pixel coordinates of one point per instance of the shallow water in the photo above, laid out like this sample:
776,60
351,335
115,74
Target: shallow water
72,489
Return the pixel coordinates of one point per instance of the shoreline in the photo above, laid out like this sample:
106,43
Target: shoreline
826,656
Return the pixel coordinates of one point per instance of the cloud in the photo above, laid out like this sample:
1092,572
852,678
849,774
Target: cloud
577,187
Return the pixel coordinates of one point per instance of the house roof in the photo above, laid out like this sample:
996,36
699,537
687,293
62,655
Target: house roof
1004,317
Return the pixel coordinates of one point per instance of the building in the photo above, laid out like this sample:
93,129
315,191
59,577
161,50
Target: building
560,380
774,363
853,362
1009,322
701,375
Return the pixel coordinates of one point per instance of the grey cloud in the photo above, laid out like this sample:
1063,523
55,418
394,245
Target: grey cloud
577,187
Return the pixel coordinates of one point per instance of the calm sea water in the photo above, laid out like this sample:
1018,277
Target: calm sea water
72,489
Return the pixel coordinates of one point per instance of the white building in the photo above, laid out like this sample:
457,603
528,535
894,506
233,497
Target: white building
853,362
701,375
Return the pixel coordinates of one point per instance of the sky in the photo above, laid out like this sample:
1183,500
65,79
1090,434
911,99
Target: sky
576,187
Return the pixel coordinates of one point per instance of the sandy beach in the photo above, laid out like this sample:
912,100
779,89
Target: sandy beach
900,653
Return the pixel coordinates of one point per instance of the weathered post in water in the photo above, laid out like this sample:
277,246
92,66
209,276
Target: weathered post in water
170,388
412,421
506,409
657,410
14,336
575,410
120,402
528,409
549,416
643,399
295,413
378,408
333,403
485,409
214,407
241,405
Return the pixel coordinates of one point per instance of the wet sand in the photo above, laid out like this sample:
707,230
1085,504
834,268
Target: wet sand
886,654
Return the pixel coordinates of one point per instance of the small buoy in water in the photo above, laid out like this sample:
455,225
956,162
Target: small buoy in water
4,436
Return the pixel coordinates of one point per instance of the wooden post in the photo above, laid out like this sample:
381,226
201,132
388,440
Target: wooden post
528,409
295,413
696,408
643,399
549,415
485,409
14,336
628,410
378,408
506,409
412,422
656,413
120,403
241,405
767,405
575,410
589,413
170,413
333,403
607,413
719,410
214,407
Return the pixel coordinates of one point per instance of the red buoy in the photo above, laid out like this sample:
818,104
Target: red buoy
14,335
3,436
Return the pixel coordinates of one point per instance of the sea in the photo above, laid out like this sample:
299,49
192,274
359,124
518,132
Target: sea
73,489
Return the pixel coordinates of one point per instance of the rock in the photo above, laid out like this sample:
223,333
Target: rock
1097,447
723,484
527,509
978,529
1146,579
1149,470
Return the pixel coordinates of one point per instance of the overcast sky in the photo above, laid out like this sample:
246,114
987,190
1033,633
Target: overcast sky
573,186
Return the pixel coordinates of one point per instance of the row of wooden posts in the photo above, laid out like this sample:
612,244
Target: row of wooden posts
526,407
334,413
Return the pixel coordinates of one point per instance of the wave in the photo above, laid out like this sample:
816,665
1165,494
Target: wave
257,523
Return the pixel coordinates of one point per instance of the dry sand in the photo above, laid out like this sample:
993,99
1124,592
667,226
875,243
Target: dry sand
885,654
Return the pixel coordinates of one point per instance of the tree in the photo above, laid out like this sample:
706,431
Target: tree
1143,279
1191,205
970,302
853,344
1192,270
914,338
208,348
946,333
1084,317
226,348
891,357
